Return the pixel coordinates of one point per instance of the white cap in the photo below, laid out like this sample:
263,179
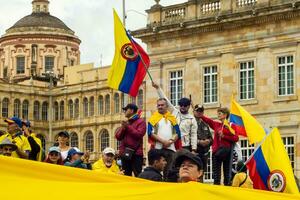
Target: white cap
54,148
108,150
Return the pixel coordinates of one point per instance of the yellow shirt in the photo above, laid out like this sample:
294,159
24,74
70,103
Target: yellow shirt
101,167
239,178
21,142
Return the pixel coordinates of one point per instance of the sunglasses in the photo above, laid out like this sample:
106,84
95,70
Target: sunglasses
183,105
54,154
7,149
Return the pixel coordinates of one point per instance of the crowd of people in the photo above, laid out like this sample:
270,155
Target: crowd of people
180,144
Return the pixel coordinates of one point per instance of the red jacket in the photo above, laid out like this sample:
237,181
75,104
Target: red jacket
132,136
217,126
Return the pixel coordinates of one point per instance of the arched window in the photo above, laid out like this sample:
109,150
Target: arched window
104,139
17,105
71,110
92,105
5,102
74,139
56,113
100,105
85,107
118,143
76,108
89,141
107,104
45,111
25,107
43,140
117,103
62,110
36,110
123,100
140,99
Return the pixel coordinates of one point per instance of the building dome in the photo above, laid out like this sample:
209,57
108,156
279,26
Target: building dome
36,20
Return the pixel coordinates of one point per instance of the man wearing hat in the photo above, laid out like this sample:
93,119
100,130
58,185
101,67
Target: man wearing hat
204,136
35,143
190,167
131,134
78,159
7,147
187,122
14,134
106,163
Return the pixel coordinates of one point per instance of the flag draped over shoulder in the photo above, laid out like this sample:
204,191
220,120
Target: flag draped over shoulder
127,71
31,180
270,167
245,124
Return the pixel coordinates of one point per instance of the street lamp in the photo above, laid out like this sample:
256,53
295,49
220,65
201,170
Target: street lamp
51,76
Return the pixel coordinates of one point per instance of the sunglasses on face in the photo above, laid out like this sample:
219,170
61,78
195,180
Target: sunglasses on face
7,149
54,154
183,105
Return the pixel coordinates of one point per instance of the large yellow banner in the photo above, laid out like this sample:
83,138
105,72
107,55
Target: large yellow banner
29,180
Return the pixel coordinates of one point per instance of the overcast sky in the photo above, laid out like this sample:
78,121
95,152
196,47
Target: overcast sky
92,21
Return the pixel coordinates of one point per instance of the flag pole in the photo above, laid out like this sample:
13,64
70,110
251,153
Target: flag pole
144,64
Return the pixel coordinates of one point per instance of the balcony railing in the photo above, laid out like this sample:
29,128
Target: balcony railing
242,3
211,7
192,10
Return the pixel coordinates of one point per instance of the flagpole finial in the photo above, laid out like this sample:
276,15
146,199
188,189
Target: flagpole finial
157,2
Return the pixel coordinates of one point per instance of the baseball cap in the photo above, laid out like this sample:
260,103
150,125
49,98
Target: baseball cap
15,120
54,149
188,156
198,108
131,106
64,133
108,150
74,151
184,102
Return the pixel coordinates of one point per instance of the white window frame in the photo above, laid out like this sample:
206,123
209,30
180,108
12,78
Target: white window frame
177,94
247,71
104,139
211,75
23,64
47,63
286,65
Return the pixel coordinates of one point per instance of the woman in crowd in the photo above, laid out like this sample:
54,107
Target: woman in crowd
223,143
63,143
78,159
54,156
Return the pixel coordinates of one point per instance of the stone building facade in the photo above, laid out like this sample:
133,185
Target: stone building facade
40,69
213,49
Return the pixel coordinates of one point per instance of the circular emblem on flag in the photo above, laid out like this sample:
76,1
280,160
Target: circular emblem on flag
276,181
128,52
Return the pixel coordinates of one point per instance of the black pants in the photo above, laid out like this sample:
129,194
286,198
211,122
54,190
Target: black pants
134,165
216,165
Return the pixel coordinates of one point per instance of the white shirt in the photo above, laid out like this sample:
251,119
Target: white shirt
164,131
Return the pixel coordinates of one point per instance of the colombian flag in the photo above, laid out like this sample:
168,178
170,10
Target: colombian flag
127,71
270,167
244,124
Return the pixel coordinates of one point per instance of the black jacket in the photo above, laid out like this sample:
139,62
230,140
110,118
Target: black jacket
151,173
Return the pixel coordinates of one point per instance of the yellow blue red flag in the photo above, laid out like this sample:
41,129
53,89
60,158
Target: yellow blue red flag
270,167
130,62
245,124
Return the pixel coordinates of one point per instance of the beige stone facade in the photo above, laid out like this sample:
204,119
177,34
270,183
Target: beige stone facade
229,36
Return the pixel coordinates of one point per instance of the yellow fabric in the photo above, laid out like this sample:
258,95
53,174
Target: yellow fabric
255,132
21,142
118,66
239,178
226,123
30,180
277,158
156,117
99,166
39,142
